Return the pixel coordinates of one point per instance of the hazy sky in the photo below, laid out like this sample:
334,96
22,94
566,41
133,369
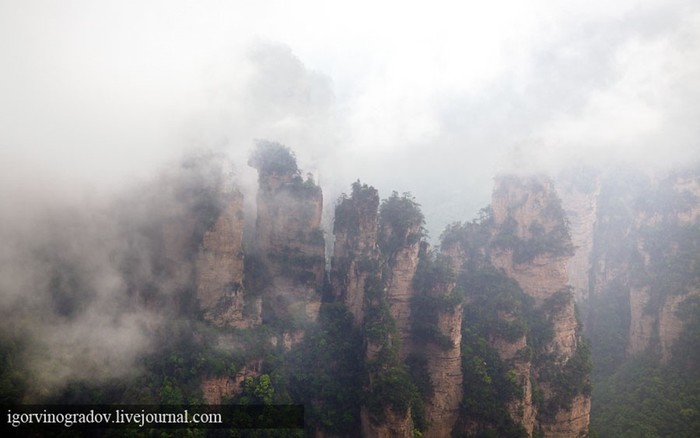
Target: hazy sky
433,97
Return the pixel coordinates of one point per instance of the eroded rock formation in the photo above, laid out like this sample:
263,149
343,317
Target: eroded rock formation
220,290
444,366
355,251
645,244
288,237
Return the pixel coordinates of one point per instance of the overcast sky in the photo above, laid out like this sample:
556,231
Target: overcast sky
429,97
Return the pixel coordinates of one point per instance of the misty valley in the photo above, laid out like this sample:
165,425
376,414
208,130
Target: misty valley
570,307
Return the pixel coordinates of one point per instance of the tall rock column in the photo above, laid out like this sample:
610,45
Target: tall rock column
400,231
531,243
386,325
289,239
579,191
355,251
220,270
437,339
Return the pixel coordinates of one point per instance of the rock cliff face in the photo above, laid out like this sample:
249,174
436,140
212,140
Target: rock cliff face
376,258
383,263
220,271
393,426
572,422
670,324
199,251
289,239
355,229
444,366
217,389
579,196
645,245
641,326
531,244
399,291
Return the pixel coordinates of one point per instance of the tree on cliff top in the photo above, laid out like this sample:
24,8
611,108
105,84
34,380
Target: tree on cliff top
401,222
272,158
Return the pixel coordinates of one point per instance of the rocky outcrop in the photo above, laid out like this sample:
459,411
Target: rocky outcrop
572,422
642,323
444,366
670,325
399,291
288,237
531,244
400,232
392,425
384,262
541,277
355,252
579,197
216,389
643,242
220,271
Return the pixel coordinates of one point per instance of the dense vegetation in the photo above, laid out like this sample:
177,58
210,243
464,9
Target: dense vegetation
556,241
498,312
324,372
433,295
363,202
489,382
271,158
401,223
643,398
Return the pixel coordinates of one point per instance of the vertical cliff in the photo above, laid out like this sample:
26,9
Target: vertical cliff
391,396
579,190
444,369
220,270
644,281
390,392
289,240
400,232
532,245
198,251
374,262
518,301
644,261
531,238
355,251
200,255
668,247
436,335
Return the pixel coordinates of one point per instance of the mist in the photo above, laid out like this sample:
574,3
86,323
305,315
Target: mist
100,100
